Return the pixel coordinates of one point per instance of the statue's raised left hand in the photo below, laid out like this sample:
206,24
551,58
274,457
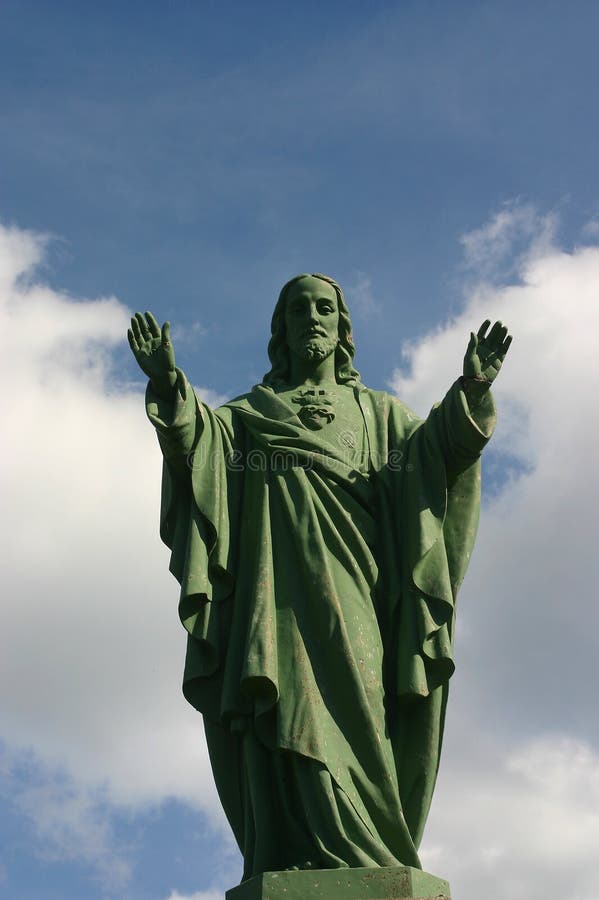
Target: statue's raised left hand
486,352
153,350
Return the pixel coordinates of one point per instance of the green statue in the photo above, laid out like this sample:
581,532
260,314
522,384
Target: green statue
319,531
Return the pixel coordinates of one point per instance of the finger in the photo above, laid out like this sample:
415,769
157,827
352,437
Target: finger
501,335
143,325
152,324
507,344
166,334
493,335
132,342
472,345
483,329
136,330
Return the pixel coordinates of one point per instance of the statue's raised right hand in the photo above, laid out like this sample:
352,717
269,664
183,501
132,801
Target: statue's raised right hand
153,350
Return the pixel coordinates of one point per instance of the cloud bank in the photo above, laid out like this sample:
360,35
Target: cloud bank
92,648
518,791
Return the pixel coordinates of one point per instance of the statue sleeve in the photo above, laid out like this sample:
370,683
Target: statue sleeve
198,501
178,422
463,425
438,510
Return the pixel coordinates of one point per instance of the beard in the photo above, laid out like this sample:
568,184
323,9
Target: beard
317,348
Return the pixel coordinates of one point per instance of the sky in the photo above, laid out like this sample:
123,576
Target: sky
440,161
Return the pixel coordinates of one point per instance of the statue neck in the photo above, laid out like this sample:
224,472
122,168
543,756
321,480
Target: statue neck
311,371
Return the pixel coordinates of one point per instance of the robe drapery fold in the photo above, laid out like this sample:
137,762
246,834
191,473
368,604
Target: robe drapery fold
319,600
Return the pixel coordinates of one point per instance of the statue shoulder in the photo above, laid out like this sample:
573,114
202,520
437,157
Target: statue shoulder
387,404
242,401
228,412
248,400
260,402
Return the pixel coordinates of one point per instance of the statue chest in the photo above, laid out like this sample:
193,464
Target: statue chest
337,416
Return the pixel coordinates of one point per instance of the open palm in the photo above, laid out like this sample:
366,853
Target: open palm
152,348
486,352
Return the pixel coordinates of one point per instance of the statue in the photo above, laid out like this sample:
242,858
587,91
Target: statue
319,531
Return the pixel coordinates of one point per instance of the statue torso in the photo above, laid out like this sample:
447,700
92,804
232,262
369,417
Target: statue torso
334,411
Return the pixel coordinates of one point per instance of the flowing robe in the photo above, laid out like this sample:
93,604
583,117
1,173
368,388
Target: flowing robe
319,600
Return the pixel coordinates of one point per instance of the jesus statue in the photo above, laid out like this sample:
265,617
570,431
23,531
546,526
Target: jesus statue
319,531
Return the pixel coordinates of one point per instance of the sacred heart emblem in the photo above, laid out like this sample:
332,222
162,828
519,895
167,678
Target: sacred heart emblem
316,408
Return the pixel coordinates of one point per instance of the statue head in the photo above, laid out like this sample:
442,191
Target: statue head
342,342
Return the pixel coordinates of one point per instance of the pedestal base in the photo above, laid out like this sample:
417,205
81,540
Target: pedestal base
386,883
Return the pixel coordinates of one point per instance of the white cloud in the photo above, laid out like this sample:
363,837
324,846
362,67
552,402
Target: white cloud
526,820
69,823
188,333
496,243
591,229
212,398
360,296
511,807
92,650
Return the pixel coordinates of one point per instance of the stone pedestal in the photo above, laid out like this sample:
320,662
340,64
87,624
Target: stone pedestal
386,883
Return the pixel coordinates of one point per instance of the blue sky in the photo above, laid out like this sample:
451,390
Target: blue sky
184,152
440,160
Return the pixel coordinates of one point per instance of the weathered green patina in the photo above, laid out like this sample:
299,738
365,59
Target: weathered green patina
319,532
396,883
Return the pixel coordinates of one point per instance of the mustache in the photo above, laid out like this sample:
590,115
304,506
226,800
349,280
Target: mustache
314,332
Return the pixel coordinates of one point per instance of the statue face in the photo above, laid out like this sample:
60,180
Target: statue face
312,319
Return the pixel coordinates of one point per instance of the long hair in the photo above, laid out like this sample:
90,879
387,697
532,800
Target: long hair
278,350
